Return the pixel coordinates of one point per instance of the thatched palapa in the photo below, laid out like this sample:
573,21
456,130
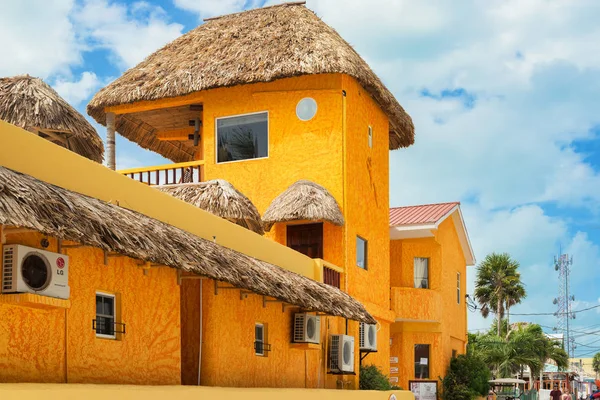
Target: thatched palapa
220,198
31,104
30,203
303,200
259,45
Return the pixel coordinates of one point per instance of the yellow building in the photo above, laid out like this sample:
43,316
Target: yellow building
266,112
429,253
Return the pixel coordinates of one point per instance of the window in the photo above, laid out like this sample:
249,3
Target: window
259,339
306,239
361,252
458,287
454,352
421,273
421,361
242,137
105,315
370,137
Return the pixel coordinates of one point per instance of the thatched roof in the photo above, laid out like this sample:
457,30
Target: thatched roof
31,104
259,45
30,203
303,200
220,198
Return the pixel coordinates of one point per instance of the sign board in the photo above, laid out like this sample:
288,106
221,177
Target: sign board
393,360
394,379
393,370
424,390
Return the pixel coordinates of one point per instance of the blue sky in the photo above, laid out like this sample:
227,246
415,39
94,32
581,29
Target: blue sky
504,95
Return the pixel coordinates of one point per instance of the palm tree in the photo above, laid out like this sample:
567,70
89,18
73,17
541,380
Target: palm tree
596,363
498,285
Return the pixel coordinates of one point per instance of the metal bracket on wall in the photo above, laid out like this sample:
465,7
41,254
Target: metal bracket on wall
217,287
244,294
265,301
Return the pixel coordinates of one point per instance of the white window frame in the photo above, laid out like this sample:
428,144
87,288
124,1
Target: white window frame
370,136
114,316
241,115
458,287
262,340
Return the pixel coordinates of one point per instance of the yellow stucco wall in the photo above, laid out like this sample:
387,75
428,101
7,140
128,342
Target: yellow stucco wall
446,326
32,341
94,392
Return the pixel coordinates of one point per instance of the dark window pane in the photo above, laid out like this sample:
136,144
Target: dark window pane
99,307
422,361
108,306
242,138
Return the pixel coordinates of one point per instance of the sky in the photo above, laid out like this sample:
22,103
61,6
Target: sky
504,95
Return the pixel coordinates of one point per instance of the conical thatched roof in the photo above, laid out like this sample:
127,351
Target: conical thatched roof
220,198
27,202
259,45
31,104
303,200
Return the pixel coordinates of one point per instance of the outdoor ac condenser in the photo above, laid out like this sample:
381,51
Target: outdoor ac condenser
367,337
29,270
341,353
307,328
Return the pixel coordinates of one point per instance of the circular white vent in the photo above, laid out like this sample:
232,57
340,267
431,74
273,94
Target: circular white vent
36,272
306,109
371,334
347,353
311,328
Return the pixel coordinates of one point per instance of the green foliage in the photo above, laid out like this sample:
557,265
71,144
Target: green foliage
498,285
371,378
596,363
467,378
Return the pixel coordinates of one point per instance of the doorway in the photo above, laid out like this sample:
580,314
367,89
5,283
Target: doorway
306,239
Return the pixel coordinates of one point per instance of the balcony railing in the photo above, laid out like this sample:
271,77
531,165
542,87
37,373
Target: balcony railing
169,174
328,273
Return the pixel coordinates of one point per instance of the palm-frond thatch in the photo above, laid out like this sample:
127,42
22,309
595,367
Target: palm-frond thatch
259,45
31,104
303,200
220,198
30,203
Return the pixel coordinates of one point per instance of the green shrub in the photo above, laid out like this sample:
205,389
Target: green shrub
371,378
467,378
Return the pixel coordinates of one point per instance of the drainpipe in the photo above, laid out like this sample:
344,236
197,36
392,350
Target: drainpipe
110,140
200,335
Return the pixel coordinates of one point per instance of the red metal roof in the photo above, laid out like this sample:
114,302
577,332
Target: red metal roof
418,215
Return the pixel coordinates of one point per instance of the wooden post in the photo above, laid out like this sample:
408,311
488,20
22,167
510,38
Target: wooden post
110,140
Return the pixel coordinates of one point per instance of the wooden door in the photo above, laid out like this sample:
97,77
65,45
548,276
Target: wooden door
307,239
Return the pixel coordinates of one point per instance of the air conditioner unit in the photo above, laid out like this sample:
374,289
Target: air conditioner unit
341,353
307,328
29,270
367,337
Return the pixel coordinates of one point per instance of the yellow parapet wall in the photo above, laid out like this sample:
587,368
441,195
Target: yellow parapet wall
93,392
24,152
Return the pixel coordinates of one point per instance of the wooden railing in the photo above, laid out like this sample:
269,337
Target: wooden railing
329,273
169,174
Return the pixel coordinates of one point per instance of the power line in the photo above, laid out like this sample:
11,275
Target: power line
544,314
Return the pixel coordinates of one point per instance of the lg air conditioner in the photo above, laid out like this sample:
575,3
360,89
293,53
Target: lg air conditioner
341,354
29,270
307,328
367,337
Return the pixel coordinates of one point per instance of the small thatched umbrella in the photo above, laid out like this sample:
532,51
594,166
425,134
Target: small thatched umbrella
31,104
220,198
303,200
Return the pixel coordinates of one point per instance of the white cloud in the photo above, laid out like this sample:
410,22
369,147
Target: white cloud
131,33
213,8
75,92
37,38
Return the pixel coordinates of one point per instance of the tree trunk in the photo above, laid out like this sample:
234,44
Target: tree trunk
499,317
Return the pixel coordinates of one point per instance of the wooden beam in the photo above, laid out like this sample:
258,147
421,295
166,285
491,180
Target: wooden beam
56,136
16,231
2,236
175,134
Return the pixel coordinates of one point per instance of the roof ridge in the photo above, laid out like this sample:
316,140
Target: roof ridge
291,3
425,205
